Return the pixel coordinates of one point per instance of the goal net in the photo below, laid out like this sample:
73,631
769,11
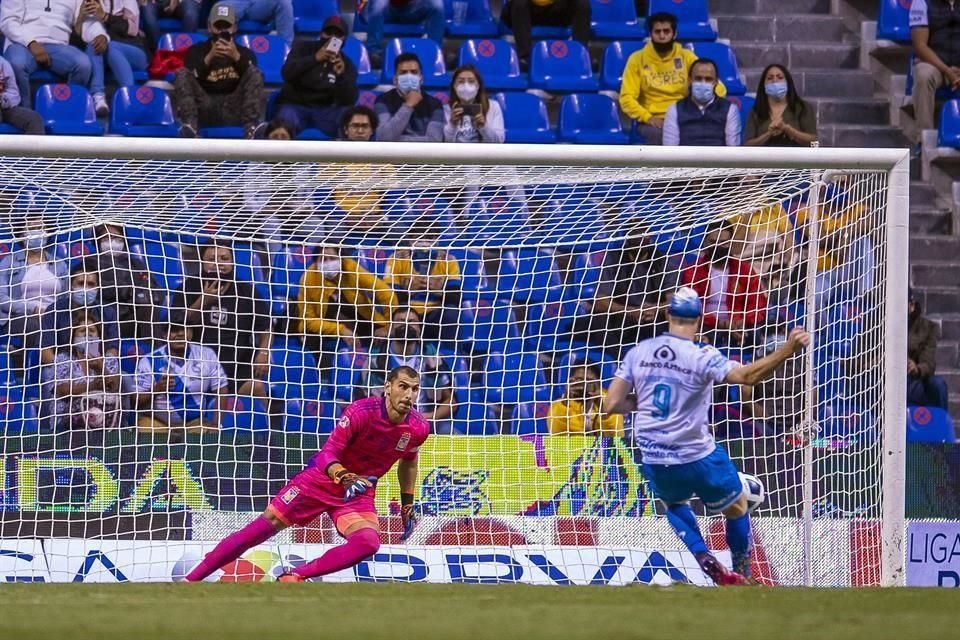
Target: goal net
181,335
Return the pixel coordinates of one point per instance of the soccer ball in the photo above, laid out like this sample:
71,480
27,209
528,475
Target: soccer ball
753,487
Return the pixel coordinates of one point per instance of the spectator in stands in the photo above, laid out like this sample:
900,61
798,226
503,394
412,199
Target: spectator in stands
125,53
702,119
378,12
935,32
82,380
176,382
84,293
656,76
780,117
522,15
767,240
38,37
923,387
230,319
734,302
11,112
406,113
125,282
318,82
277,130
471,115
219,84
405,346
579,410
429,281
625,309
339,299
775,406
277,12
188,11
358,124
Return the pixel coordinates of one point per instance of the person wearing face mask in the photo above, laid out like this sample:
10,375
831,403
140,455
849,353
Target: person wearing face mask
125,282
318,82
471,116
406,113
340,301
229,318
405,345
81,385
429,281
579,411
702,119
84,293
656,76
734,301
780,117
219,84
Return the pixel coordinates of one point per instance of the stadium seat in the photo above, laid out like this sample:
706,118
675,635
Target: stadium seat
487,325
417,210
530,418
590,118
496,60
693,18
473,276
497,218
561,66
249,268
727,69
311,416
309,15
67,110
469,19
893,22
130,353
271,51
293,371
548,325
614,19
583,355
7,129
515,377
347,372
174,41
288,269
435,74
142,112
587,267
164,262
745,105
525,118
472,416
368,97
929,424
227,133
527,275
244,414
357,52
390,29
949,130
615,58
16,414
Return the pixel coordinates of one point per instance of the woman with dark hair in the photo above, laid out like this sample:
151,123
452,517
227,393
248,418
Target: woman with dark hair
780,117
471,115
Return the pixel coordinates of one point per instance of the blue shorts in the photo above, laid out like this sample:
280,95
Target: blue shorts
713,479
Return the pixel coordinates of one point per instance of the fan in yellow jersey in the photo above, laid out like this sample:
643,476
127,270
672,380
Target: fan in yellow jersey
579,411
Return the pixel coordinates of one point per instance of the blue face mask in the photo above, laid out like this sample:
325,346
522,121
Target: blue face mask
34,242
776,90
407,82
83,297
702,92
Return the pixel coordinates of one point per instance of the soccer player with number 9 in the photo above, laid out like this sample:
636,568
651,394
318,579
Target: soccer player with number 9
667,383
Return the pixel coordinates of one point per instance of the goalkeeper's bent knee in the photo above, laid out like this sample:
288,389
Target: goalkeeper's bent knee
365,540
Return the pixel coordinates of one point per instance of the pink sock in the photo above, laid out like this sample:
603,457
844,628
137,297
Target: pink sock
232,547
359,545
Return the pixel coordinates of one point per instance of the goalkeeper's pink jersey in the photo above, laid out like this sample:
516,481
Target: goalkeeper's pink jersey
367,443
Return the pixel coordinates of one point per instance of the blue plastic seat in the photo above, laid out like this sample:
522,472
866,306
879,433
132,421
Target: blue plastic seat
472,416
530,418
587,273
271,51
515,377
614,19
590,118
293,371
475,19
130,353
244,414
249,268
561,66
727,68
487,325
164,261
309,15
585,355
287,270
142,112
948,134
548,325
693,18
311,416
497,62
525,119
182,40
473,276
929,424
435,74
390,29
16,415
497,219
615,58
893,22
527,275
224,133
414,210
357,52
67,110
368,97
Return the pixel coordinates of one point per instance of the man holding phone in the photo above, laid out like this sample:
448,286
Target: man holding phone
319,82
220,84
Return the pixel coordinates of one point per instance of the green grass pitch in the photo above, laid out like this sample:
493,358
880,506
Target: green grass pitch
414,612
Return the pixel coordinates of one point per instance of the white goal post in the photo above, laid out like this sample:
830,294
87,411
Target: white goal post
156,180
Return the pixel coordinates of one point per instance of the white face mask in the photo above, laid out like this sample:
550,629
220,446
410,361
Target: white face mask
112,245
87,345
467,90
330,267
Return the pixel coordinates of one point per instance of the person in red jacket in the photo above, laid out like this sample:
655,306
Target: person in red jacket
734,302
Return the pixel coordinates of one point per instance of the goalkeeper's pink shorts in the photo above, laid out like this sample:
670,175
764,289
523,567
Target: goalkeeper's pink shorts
311,493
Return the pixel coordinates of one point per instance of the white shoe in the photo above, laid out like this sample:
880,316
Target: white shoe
100,105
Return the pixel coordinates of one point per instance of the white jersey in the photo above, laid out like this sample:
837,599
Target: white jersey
673,379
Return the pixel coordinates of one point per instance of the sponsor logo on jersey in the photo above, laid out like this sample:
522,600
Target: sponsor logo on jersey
665,353
404,441
344,422
289,495
678,63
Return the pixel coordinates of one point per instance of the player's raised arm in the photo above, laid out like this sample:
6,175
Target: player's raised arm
328,460
757,371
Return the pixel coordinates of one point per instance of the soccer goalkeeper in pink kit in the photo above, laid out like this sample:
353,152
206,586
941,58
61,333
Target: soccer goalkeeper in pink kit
340,480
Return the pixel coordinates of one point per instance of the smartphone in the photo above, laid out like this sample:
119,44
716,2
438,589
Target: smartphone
334,45
471,109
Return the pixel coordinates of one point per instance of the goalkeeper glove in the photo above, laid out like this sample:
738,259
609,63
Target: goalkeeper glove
408,515
354,485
